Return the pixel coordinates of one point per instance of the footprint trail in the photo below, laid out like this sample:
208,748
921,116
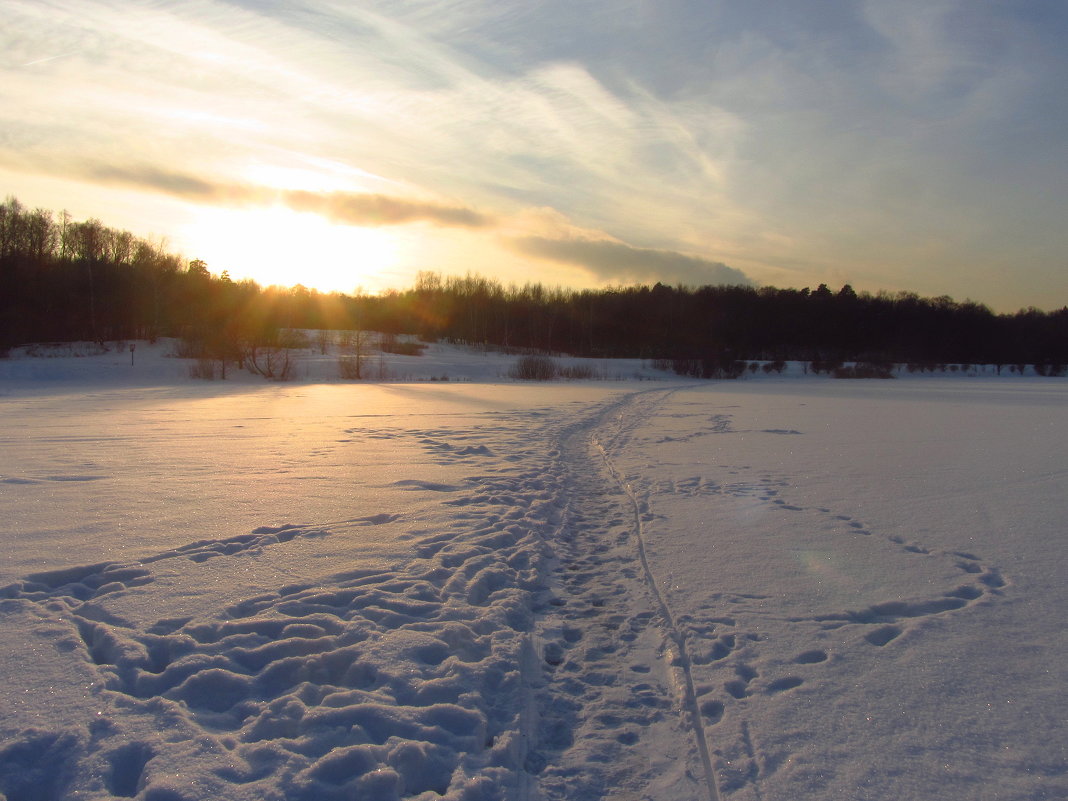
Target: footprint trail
539,638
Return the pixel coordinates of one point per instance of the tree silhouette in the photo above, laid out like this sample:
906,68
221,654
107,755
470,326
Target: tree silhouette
63,280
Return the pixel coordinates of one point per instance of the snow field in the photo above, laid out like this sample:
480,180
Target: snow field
785,588
402,677
867,581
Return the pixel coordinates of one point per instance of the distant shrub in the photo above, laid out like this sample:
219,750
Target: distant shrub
56,350
534,368
293,339
865,370
323,340
774,367
406,348
273,363
389,343
350,367
1049,370
722,366
828,366
577,372
203,369
188,348
689,367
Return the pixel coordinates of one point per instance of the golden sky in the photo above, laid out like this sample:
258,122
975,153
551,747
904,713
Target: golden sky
890,144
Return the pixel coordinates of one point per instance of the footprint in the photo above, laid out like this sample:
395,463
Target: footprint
992,579
882,635
712,712
430,486
553,654
810,657
377,520
737,689
127,764
785,683
746,673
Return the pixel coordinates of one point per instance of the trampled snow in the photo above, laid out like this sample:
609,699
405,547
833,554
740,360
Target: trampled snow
772,588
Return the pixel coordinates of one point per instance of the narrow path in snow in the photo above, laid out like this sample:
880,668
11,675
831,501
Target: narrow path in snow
681,657
642,665
617,698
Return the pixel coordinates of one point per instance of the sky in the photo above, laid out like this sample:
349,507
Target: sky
897,145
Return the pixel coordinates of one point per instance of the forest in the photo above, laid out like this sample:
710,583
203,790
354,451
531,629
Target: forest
63,280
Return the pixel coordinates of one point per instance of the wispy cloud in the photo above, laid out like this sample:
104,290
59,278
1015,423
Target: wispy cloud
187,187
350,208
370,209
617,261
605,259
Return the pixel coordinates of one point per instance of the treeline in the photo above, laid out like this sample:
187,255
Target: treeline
717,324
62,280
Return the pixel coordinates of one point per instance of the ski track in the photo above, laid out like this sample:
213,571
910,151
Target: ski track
680,657
527,650
726,647
611,694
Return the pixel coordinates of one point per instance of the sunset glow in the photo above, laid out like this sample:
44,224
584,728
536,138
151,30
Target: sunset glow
278,246
912,145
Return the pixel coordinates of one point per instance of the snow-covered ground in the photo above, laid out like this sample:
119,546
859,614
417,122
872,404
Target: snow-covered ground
773,588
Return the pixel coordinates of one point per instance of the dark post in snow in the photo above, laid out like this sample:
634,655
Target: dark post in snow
132,346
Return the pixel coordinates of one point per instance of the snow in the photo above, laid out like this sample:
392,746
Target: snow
777,587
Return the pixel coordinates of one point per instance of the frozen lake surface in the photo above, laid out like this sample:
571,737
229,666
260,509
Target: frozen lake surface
762,589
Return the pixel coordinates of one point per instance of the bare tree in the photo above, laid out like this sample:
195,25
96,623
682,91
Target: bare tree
354,347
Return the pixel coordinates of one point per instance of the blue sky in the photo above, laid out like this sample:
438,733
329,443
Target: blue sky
899,145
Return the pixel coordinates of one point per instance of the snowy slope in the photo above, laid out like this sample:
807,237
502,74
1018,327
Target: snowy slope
776,588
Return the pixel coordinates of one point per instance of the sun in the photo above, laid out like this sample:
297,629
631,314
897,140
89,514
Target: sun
276,245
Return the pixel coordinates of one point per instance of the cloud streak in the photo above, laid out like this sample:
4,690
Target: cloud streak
605,259
610,260
372,209
349,208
